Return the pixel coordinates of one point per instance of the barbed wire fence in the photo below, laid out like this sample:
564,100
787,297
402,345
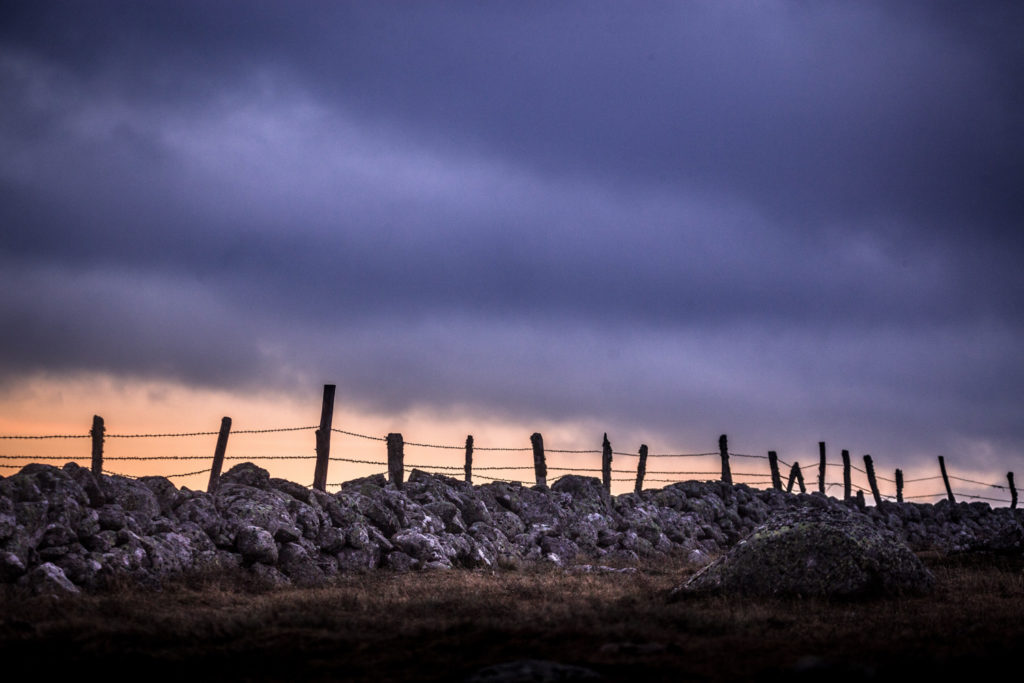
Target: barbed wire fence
396,466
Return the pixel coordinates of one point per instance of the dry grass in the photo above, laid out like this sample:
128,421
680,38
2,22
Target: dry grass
442,626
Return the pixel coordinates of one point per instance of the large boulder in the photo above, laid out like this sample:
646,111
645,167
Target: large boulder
815,552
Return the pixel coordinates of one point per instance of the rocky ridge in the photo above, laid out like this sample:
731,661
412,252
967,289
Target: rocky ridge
63,529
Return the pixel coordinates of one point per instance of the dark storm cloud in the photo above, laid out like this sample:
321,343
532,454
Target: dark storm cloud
778,213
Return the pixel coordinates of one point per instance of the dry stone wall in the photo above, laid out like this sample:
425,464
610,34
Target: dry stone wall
63,529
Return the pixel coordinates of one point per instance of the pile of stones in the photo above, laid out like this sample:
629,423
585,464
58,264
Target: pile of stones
64,529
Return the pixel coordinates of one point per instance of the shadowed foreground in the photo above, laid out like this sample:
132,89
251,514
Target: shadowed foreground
445,625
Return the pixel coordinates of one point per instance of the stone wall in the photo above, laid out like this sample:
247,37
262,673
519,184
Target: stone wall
62,529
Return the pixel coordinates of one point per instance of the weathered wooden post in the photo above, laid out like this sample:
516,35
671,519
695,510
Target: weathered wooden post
469,459
540,467
97,444
606,464
396,459
945,479
869,466
795,475
899,485
218,454
846,475
1013,491
641,469
860,500
773,463
323,439
723,451
821,467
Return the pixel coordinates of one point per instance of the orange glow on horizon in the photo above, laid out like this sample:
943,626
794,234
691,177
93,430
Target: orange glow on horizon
65,405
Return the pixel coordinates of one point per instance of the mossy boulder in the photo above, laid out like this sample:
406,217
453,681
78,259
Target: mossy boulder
830,553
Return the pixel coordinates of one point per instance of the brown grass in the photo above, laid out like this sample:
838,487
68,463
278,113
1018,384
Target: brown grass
442,626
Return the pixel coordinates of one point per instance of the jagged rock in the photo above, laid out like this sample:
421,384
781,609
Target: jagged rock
816,552
256,545
299,566
48,579
138,502
246,474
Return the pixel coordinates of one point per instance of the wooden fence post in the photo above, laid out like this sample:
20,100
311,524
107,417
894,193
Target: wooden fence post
821,467
218,454
798,476
846,475
723,450
396,459
323,439
469,459
899,485
872,482
1013,491
641,469
540,468
606,464
97,444
773,463
860,500
945,479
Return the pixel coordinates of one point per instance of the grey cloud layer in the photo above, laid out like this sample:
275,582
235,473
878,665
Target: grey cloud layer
790,217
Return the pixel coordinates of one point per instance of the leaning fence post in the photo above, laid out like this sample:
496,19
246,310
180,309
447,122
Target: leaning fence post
798,476
872,482
469,459
606,464
396,459
97,444
773,463
218,454
323,439
899,486
723,450
641,469
540,468
846,475
821,467
1013,491
945,479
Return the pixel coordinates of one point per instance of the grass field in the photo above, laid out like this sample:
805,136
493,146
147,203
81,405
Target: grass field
444,625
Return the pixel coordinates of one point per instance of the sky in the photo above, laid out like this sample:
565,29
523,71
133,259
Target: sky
789,222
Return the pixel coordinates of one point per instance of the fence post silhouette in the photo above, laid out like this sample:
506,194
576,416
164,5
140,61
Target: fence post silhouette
798,476
773,463
872,482
606,464
218,454
641,469
1013,491
821,467
899,485
860,500
846,475
323,439
97,444
723,451
396,459
540,467
945,479
469,459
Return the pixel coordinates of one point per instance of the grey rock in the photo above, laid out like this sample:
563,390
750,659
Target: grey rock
48,579
815,552
256,545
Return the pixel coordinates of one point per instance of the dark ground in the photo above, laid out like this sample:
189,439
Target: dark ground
443,626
